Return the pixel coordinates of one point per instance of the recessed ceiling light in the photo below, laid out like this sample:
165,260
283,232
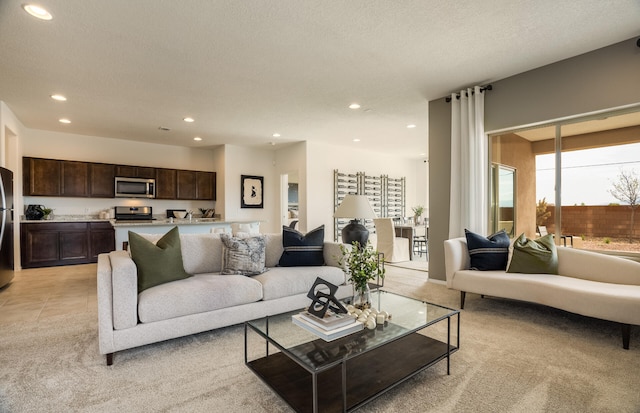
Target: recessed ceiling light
197,138
354,106
37,12
411,126
59,98
189,120
276,135
64,120
356,140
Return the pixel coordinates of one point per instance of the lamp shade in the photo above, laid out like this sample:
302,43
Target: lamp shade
355,206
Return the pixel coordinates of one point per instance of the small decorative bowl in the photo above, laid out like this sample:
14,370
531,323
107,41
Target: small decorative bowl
180,214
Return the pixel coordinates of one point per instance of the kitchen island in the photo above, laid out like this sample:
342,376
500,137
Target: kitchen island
162,226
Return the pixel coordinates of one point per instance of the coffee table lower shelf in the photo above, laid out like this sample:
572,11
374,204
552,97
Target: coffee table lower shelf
367,375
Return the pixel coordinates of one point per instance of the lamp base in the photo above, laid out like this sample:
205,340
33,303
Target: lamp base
354,231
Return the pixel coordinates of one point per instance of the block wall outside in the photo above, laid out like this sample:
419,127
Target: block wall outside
596,221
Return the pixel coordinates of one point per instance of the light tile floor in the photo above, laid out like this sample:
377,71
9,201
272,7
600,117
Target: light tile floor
39,293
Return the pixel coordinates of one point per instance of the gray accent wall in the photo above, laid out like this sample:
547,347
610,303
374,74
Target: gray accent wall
604,79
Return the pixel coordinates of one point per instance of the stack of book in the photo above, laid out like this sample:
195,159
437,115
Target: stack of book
333,326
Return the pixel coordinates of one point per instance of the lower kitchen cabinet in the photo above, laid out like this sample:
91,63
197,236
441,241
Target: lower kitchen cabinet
64,243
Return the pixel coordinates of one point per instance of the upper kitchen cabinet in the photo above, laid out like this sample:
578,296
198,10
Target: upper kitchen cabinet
41,177
75,179
206,185
102,177
166,183
136,171
186,185
52,177
196,185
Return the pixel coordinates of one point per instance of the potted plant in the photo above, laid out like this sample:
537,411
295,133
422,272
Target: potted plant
48,213
418,210
363,264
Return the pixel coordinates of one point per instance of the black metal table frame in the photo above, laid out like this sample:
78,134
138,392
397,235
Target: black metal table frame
315,373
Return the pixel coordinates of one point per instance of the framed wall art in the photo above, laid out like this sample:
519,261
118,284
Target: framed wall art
251,194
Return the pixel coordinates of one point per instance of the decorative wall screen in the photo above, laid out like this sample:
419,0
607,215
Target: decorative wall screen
386,195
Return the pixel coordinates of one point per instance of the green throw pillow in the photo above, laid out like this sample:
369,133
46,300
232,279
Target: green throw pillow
160,263
534,256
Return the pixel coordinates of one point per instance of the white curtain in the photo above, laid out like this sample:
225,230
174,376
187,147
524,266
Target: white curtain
469,164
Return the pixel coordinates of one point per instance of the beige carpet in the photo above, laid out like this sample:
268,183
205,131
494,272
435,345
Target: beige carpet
514,357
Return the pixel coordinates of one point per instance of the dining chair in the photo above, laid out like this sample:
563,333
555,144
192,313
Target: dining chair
395,249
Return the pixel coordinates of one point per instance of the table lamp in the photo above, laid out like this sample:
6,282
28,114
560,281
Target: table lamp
355,207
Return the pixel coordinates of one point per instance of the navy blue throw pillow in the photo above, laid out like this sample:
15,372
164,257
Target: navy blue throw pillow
302,250
488,253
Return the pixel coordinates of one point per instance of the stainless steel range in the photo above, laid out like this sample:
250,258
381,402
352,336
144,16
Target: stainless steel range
134,213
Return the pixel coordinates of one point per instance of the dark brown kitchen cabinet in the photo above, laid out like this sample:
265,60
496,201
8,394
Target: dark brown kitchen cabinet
102,239
75,179
41,177
186,184
52,177
166,183
129,171
102,177
196,185
64,243
206,185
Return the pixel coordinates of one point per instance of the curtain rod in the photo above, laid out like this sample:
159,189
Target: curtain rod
482,89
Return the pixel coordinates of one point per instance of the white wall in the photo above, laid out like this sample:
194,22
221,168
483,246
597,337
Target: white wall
57,145
293,159
251,161
323,159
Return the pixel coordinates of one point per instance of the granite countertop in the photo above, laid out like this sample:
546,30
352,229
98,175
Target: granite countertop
65,218
159,220
167,221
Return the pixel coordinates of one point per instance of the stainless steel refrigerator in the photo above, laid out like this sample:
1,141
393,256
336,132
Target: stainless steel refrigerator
6,226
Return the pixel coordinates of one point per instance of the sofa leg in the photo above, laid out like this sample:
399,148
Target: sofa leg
109,359
462,296
626,333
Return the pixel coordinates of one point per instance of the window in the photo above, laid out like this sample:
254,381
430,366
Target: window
575,165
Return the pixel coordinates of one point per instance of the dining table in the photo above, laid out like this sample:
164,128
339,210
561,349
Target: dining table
409,231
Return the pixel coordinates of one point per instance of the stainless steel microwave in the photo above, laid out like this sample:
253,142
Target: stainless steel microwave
135,187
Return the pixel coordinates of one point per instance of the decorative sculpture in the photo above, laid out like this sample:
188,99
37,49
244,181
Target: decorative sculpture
321,301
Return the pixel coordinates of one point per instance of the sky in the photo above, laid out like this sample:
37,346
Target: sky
587,175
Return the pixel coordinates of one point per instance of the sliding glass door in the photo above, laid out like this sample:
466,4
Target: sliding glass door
573,179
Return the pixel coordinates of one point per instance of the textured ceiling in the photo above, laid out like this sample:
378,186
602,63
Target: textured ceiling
247,69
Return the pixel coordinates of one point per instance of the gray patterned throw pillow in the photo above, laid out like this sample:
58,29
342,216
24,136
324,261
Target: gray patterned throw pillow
243,256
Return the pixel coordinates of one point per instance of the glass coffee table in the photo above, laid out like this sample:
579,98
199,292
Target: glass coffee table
313,375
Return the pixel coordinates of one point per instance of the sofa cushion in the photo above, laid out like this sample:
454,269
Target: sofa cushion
243,256
537,256
274,249
286,281
197,294
488,253
157,263
302,250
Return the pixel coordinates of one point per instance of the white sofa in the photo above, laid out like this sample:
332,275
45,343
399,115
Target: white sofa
588,283
205,301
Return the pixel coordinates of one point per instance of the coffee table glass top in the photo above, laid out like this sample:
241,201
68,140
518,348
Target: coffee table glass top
407,316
